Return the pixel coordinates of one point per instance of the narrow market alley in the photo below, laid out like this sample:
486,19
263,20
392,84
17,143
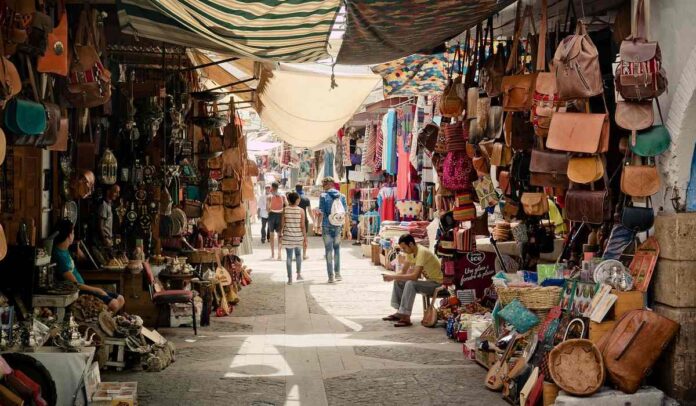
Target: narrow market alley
315,344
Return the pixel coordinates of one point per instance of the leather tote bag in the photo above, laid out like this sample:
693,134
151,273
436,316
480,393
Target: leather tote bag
576,65
586,169
579,132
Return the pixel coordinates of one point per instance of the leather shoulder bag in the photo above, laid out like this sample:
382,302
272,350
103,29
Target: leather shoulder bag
518,89
652,141
549,169
588,206
55,59
639,180
638,219
585,169
535,204
579,132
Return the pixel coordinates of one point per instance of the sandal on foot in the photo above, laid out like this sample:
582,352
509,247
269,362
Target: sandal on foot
391,317
403,324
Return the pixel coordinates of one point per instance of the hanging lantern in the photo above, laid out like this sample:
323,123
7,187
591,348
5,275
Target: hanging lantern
108,168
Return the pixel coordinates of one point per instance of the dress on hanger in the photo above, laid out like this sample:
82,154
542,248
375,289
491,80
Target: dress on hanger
389,127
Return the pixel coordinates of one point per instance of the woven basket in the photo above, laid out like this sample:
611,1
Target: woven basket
577,367
532,298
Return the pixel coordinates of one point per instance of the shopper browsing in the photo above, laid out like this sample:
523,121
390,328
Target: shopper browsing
420,263
333,209
294,234
65,267
263,211
275,204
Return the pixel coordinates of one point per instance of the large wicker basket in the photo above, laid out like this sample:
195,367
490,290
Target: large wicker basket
537,298
577,367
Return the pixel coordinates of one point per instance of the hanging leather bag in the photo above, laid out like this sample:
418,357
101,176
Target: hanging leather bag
494,67
586,169
576,66
518,89
427,137
634,116
579,132
588,206
55,59
236,230
235,214
631,348
549,169
89,82
638,180
535,204
451,104
519,131
213,218
653,140
638,219
639,74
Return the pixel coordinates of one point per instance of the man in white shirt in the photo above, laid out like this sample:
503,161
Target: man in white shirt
262,200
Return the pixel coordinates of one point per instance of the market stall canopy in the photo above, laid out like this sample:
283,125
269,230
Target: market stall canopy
291,31
384,30
260,146
414,75
299,105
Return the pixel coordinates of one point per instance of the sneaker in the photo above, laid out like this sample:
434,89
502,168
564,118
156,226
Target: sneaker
289,281
299,277
338,278
331,280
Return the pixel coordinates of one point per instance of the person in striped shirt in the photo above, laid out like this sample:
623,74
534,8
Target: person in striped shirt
293,234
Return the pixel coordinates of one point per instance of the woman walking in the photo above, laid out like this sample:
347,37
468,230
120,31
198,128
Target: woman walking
293,234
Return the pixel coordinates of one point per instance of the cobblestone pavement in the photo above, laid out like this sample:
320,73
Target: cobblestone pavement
312,343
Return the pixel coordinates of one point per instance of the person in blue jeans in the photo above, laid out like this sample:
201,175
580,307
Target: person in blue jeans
330,233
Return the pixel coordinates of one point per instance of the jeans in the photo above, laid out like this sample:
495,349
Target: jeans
298,260
332,249
264,233
404,294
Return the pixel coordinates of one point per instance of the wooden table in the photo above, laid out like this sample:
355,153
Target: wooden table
60,302
175,280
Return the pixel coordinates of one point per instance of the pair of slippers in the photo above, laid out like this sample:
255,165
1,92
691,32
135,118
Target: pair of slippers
397,319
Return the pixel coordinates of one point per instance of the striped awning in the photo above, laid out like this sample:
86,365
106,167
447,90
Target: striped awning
274,30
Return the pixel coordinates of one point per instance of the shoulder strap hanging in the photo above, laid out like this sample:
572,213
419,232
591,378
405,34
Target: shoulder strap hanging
543,28
512,59
570,21
640,31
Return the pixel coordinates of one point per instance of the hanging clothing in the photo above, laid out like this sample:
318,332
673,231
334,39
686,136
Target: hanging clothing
379,145
389,128
368,158
403,177
346,151
387,203
328,163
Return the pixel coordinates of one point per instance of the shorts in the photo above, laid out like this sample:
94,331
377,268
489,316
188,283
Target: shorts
105,298
274,222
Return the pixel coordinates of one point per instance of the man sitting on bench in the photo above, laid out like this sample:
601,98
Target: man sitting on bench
419,263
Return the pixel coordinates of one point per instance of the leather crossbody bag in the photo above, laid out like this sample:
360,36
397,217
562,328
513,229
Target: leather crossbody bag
588,206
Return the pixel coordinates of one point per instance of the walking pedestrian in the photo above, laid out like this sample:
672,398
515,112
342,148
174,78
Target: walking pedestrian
331,228
263,211
304,205
275,204
293,234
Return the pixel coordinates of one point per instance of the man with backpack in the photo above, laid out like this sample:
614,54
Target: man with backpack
275,204
333,209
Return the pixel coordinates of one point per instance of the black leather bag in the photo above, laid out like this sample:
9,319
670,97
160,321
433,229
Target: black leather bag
638,219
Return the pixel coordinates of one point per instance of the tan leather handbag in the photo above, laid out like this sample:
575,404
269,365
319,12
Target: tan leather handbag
576,65
235,214
549,169
640,180
214,198
634,116
586,169
579,132
534,204
213,218
518,88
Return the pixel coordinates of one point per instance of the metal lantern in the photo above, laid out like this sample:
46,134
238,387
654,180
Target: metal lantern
108,168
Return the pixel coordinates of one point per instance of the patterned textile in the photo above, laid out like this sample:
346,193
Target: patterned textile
389,130
413,75
368,157
379,145
409,210
288,31
383,30
346,151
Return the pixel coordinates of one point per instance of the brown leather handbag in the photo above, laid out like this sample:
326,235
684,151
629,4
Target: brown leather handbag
214,198
579,132
634,116
576,65
452,104
232,199
252,168
631,348
55,59
504,183
519,131
213,218
588,206
236,230
549,169
235,214
640,180
231,184
535,204
518,89
586,169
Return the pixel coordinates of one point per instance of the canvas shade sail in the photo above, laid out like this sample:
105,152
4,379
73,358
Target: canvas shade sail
301,108
291,30
384,30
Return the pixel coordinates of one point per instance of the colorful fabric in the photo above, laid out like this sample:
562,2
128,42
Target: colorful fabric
379,145
404,189
368,157
413,75
383,30
389,128
289,31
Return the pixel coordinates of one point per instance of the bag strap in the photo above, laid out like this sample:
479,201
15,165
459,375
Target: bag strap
641,31
32,78
512,59
543,28
570,21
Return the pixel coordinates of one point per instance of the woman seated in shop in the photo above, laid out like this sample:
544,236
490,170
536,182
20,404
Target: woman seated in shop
65,267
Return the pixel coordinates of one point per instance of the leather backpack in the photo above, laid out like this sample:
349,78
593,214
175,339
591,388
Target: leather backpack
89,82
639,74
631,348
576,66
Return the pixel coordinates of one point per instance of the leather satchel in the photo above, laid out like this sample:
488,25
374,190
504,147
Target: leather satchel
535,204
576,66
637,219
579,132
25,117
518,92
501,154
631,348
213,218
640,180
235,214
588,206
585,170
549,169
55,59
639,74
634,116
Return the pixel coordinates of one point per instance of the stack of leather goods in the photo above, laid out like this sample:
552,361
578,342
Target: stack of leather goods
502,231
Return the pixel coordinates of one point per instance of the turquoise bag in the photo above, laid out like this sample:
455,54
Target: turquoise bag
652,142
519,316
24,117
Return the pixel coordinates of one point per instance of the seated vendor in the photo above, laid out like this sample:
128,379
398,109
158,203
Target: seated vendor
419,263
65,267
